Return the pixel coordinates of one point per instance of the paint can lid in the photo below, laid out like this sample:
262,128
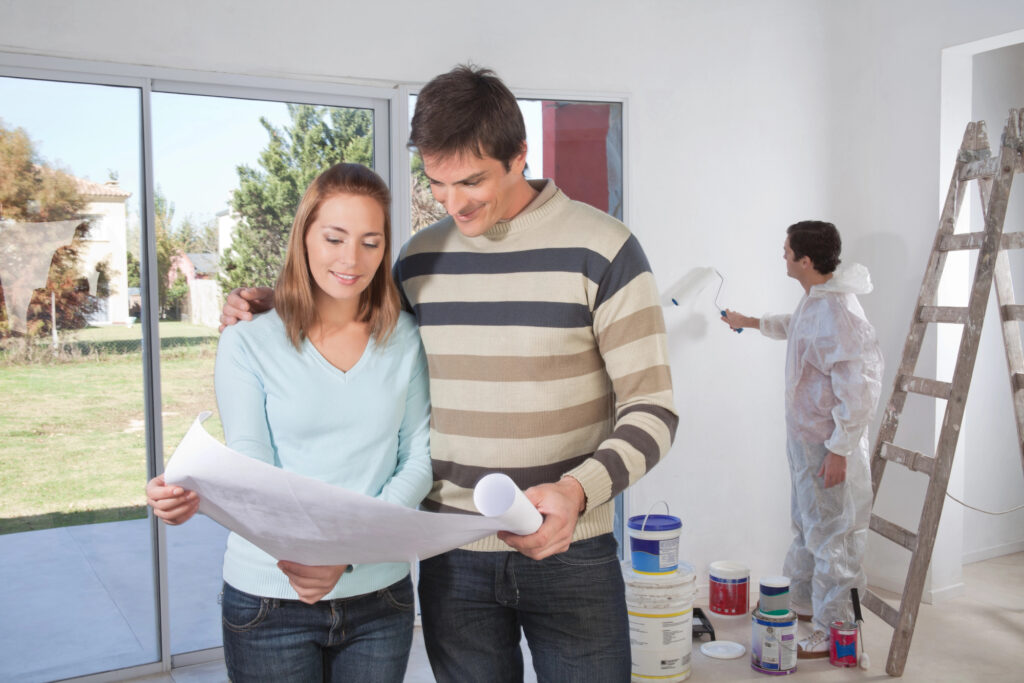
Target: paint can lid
655,522
727,569
723,649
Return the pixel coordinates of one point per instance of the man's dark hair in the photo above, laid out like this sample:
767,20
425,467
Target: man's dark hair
468,110
817,240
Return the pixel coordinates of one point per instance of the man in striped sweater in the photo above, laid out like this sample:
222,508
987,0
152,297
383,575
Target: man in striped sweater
548,362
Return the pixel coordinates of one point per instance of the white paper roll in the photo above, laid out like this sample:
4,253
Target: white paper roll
496,495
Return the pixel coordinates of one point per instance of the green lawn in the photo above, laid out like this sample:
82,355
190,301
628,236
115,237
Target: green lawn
73,445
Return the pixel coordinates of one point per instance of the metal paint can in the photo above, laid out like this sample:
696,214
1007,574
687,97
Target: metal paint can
773,643
842,645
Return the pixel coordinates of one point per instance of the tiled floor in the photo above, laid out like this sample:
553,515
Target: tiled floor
84,594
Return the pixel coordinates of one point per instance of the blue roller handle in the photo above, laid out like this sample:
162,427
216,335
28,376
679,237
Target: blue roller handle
738,329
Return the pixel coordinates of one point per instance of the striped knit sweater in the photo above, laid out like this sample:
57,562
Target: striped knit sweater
547,354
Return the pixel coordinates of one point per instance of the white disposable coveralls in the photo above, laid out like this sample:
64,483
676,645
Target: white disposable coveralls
833,380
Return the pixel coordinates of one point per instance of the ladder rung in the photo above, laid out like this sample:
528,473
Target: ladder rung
944,314
980,168
894,532
912,460
1013,312
927,387
972,240
884,610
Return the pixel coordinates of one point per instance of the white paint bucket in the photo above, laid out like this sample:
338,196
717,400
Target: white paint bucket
774,599
654,543
773,643
660,608
728,588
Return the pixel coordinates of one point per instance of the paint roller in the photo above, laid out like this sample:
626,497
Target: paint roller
691,284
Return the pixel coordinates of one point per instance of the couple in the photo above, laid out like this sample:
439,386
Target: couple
546,347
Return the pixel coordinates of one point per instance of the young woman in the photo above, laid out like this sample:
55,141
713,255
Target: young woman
331,384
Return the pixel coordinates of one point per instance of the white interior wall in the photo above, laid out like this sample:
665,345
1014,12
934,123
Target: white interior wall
744,116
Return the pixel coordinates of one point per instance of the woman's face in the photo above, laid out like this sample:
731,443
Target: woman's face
345,246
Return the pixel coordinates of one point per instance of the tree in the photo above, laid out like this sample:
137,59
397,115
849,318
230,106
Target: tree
266,199
196,239
425,209
32,192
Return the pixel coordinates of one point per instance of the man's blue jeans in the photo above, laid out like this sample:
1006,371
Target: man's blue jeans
571,606
362,638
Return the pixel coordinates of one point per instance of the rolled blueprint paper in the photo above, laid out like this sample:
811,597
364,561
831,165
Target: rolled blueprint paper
496,495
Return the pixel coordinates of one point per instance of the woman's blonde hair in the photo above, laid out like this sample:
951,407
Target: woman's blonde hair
379,303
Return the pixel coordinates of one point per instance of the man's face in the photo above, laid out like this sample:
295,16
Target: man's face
476,192
792,263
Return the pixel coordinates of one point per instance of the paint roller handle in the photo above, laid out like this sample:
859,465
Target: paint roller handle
856,605
738,329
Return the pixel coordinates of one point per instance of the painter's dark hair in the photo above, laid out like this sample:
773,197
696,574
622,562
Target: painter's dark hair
817,240
468,111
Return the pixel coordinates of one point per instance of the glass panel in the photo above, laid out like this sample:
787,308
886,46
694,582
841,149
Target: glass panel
76,575
229,174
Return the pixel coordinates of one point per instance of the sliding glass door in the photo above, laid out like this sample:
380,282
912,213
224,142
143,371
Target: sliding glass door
129,202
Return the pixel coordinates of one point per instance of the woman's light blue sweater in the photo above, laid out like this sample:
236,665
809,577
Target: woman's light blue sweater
365,430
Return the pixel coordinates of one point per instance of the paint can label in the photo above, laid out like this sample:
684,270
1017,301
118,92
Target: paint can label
842,646
773,643
728,596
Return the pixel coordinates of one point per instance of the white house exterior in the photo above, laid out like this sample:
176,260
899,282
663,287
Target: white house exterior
106,241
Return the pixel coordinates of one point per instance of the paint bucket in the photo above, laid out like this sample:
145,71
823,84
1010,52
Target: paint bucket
842,645
773,643
654,542
774,598
728,590
660,609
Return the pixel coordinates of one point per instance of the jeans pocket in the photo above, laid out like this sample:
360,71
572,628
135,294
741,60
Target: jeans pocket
399,595
590,552
242,611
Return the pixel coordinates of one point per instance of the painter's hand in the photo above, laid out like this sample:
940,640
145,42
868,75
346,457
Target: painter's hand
242,302
737,321
312,583
560,504
173,504
833,469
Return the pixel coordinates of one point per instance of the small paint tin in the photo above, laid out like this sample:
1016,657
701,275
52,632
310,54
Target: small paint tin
842,645
727,588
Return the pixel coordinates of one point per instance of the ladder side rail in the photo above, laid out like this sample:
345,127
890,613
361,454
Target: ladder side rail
949,434
1008,316
915,336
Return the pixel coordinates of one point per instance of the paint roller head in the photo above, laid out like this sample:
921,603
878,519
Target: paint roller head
688,286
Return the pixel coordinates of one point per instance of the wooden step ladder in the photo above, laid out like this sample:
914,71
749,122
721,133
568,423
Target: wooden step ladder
994,176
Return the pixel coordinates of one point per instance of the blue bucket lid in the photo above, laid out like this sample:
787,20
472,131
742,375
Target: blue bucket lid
655,522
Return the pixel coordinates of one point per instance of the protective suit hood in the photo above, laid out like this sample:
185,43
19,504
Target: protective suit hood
848,279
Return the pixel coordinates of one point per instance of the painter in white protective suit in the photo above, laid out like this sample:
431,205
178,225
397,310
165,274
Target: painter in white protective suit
833,380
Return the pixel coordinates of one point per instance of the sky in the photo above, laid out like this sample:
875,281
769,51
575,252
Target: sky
198,141
91,130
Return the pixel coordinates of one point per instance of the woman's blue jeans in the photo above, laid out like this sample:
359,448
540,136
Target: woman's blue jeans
571,606
361,638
